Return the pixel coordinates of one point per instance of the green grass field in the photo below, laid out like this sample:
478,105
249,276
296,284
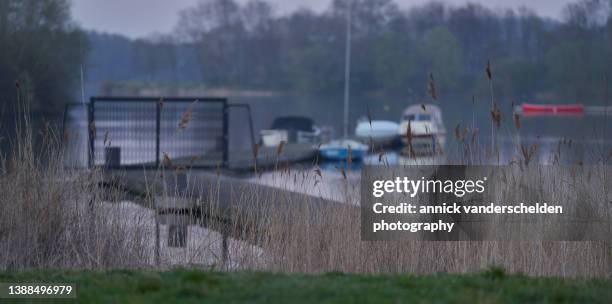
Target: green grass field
195,286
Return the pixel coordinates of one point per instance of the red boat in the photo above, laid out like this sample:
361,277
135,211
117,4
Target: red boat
552,110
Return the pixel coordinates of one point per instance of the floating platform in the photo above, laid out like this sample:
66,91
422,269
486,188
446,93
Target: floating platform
272,157
240,161
264,158
214,201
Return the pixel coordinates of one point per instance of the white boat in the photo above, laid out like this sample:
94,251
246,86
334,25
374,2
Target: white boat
378,133
273,138
344,149
422,130
290,129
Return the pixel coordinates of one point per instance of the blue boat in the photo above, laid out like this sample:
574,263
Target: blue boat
339,150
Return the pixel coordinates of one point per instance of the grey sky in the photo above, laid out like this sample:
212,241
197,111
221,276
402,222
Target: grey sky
138,18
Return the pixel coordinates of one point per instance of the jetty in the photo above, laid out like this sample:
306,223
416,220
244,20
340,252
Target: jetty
172,154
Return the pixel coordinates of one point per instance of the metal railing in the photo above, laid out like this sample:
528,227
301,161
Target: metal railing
149,132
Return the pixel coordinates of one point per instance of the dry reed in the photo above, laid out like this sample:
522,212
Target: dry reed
53,217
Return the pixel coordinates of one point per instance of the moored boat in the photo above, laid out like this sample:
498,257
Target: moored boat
290,129
343,149
379,133
422,130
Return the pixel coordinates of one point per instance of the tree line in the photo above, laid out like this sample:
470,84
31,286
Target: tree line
41,50
394,50
221,43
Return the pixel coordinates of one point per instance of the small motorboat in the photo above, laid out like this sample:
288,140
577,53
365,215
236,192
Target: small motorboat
290,129
273,138
380,133
343,149
422,130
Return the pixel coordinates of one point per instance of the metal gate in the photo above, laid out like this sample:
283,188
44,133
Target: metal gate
146,132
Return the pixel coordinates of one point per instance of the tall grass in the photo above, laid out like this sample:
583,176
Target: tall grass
54,217
298,235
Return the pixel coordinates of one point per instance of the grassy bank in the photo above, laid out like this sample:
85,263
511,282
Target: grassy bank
492,286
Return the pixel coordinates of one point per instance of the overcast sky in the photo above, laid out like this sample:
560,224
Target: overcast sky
139,18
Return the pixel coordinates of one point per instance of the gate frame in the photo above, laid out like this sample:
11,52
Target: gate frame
91,135
158,108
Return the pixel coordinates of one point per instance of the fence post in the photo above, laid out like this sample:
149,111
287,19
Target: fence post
91,133
157,130
247,107
225,135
